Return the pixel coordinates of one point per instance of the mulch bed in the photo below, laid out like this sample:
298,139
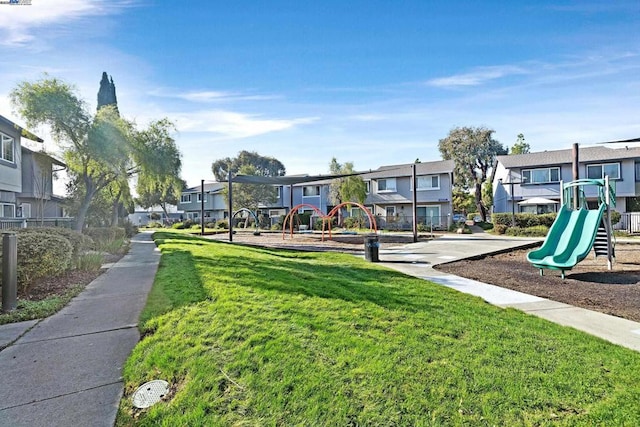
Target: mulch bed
589,285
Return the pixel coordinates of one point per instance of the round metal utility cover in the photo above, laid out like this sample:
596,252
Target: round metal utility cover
150,393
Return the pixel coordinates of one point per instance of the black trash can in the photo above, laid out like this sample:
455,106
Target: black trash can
371,246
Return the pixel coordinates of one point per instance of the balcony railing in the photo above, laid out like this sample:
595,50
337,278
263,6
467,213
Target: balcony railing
12,223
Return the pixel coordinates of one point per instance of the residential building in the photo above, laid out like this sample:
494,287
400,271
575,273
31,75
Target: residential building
26,179
531,182
389,197
390,194
215,204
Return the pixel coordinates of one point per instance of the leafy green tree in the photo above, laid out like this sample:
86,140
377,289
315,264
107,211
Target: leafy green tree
100,150
263,166
250,196
463,201
520,147
346,189
159,181
474,152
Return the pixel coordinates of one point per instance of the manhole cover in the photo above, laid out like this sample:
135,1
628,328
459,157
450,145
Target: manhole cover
150,393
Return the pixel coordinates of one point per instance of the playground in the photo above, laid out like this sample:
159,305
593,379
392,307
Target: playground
589,284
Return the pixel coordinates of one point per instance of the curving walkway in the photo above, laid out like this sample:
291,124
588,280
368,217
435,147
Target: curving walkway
66,370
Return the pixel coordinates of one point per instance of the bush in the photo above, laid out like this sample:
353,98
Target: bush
524,220
500,228
80,243
154,224
472,215
615,217
41,254
355,222
210,224
222,224
277,226
178,226
130,230
535,231
91,261
107,239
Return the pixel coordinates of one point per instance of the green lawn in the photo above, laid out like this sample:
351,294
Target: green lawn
250,336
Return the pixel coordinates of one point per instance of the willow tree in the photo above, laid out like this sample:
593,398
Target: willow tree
101,149
474,152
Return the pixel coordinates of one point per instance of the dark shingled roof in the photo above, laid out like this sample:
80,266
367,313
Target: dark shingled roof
425,168
557,157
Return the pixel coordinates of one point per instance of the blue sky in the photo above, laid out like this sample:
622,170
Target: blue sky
372,82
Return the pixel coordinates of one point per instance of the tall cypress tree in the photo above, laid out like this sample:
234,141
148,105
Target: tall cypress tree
107,92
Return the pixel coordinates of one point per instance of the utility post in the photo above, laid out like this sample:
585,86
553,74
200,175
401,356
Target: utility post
414,204
9,272
202,207
230,207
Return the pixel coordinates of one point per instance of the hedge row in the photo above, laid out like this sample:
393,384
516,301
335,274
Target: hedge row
523,220
51,251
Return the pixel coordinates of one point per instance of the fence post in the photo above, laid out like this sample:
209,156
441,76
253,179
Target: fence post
9,271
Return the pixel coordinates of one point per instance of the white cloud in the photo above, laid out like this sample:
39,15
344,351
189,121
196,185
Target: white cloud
19,25
478,76
208,96
234,125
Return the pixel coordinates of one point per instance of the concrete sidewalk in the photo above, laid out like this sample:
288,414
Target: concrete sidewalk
66,370
418,259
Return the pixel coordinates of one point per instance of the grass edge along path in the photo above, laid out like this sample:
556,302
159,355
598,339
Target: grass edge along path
253,336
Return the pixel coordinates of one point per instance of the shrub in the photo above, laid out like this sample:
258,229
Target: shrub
41,254
188,223
500,228
535,231
210,224
615,217
222,224
154,224
524,220
277,226
80,243
472,215
355,222
130,230
107,239
423,228
264,221
178,226
91,261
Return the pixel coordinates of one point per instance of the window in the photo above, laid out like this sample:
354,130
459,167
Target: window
612,170
391,211
540,176
6,151
429,215
388,184
637,172
279,192
26,210
185,198
429,182
200,198
7,210
367,185
311,190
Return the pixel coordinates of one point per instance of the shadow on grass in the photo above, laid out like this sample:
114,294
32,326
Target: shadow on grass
331,276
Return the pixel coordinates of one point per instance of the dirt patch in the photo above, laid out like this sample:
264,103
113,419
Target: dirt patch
588,285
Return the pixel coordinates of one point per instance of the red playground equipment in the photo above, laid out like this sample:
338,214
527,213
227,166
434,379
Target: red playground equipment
326,219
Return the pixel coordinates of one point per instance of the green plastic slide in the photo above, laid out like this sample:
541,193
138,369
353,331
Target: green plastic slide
569,240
